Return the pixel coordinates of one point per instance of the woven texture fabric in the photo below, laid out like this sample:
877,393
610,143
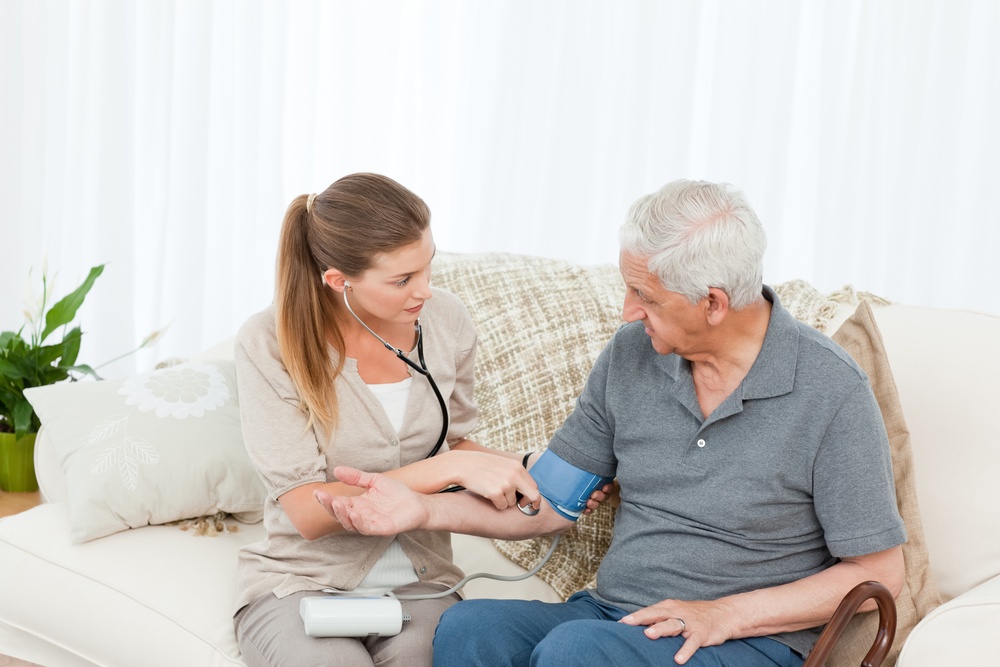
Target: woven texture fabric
541,325
860,337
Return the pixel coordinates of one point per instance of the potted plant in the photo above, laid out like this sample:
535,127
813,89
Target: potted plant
36,361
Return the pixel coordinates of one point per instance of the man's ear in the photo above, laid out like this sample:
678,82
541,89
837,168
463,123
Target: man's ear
717,306
335,279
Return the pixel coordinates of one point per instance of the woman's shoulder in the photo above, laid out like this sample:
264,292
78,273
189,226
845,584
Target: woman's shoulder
448,311
258,329
447,304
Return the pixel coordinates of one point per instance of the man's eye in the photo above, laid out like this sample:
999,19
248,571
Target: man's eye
402,283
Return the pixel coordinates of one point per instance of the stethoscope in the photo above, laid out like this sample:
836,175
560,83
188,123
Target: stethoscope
422,368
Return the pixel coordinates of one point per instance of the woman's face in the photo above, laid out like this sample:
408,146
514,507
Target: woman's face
397,284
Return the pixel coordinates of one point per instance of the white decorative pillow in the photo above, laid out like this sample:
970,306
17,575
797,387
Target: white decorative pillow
150,449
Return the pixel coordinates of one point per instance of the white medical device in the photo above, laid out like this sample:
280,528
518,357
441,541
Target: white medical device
337,614
351,616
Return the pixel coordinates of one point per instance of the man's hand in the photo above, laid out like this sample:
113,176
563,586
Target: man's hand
700,623
387,507
610,493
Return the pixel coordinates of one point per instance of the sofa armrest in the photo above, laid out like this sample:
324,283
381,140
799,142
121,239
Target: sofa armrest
959,632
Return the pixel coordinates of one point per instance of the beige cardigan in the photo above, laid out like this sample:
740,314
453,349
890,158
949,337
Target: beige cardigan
287,455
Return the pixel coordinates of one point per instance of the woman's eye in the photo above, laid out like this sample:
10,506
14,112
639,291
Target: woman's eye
402,283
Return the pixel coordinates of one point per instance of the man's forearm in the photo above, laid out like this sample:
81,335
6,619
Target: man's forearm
811,601
467,513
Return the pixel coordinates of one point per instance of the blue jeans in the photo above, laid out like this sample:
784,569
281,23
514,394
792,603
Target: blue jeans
580,631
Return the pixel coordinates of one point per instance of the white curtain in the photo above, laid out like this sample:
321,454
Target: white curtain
166,137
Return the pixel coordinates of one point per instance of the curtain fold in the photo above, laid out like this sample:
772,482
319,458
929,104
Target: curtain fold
167,137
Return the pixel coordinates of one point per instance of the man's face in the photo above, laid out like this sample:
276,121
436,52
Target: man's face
672,323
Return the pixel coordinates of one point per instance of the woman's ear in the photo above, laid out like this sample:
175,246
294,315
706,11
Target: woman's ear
335,279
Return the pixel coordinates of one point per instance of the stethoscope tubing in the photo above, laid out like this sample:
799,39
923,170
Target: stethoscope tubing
421,369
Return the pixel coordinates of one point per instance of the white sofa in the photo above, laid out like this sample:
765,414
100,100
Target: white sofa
160,596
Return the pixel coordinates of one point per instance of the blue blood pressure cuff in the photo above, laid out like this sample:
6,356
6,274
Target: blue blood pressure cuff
565,486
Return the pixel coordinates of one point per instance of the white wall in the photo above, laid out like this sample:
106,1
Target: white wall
166,138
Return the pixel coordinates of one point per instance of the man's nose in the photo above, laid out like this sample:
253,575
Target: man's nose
631,311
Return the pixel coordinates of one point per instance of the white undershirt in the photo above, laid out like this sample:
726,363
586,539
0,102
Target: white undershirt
393,568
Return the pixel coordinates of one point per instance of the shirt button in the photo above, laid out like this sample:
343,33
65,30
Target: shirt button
394,442
423,570
701,443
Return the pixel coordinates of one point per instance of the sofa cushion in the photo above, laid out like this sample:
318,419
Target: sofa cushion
155,596
541,325
151,448
959,632
860,337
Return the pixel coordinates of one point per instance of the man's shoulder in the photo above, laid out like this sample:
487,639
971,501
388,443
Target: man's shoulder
820,354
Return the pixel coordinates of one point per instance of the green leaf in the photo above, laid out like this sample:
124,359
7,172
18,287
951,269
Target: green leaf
70,347
14,369
22,415
49,375
6,338
65,310
83,368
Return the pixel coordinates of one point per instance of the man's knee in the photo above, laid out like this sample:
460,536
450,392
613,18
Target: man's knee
461,632
465,615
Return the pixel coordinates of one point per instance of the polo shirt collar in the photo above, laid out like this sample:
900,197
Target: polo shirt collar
772,373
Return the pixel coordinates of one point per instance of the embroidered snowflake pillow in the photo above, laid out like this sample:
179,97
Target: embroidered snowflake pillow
150,449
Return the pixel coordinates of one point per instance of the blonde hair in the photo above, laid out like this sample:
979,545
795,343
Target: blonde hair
344,227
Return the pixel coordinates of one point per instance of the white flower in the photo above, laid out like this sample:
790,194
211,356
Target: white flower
187,390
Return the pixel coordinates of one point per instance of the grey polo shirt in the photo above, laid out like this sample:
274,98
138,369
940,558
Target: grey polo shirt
789,473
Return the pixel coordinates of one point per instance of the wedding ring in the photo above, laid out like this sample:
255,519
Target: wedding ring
684,625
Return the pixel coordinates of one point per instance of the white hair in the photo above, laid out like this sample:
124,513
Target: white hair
696,235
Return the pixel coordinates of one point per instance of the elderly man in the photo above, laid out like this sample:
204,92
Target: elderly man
756,481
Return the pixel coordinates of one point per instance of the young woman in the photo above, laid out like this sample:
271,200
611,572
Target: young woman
322,382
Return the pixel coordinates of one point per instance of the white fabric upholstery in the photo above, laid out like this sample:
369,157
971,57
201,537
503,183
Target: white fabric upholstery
158,596
959,632
947,369
154,596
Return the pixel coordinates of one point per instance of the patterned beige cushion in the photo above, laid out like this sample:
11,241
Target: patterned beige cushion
542,323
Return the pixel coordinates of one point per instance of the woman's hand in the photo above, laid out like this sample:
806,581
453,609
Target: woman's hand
496,478
387,507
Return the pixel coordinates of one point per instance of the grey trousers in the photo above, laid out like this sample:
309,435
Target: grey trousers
270,634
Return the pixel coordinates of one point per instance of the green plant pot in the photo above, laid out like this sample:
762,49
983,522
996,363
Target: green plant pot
17,463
